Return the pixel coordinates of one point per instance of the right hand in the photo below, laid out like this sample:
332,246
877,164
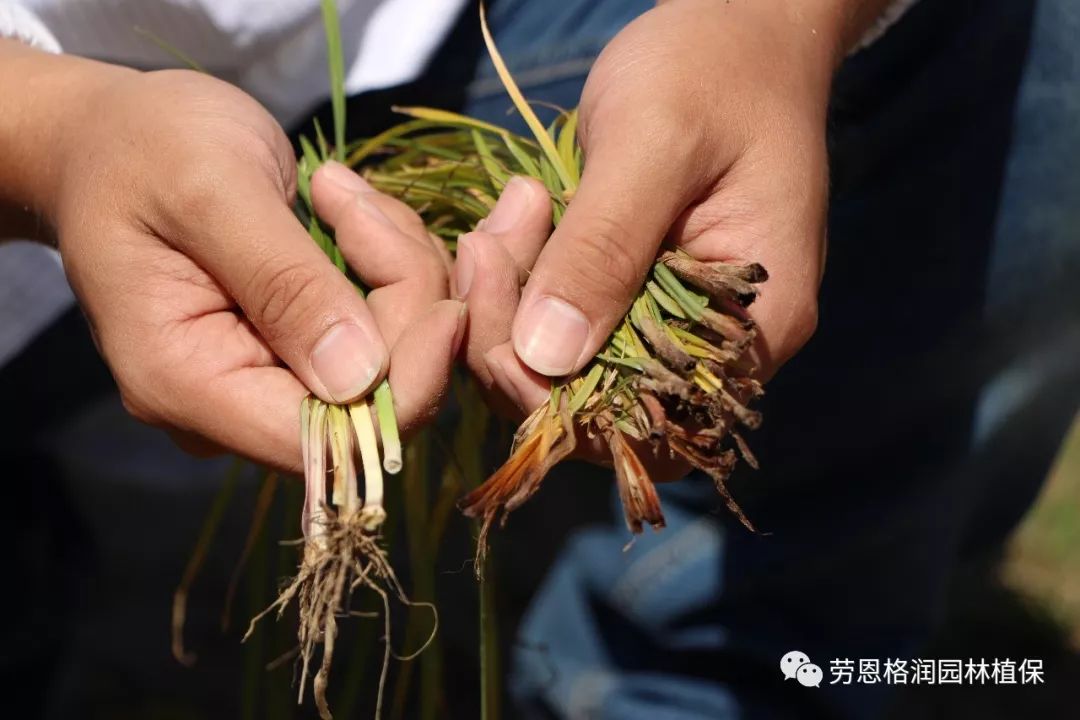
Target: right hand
170,196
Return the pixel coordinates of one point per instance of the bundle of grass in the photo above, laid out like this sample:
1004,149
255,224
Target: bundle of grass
676,377
342,551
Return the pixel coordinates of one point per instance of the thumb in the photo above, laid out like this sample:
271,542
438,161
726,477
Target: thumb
596,260
305,309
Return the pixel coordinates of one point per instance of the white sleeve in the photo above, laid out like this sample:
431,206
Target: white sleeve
33,291
20,23
889,17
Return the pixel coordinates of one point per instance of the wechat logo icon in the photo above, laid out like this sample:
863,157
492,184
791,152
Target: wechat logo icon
796,665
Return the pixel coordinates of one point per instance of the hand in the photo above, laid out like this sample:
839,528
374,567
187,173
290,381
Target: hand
703,125
172,213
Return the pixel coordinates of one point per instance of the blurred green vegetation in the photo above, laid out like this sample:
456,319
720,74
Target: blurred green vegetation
1023,604
1042,562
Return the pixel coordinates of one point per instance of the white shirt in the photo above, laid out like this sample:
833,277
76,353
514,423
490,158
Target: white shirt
274,49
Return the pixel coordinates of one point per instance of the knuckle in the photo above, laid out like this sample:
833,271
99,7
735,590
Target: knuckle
605,261
196,187
431,270
404,217
279,294
666,123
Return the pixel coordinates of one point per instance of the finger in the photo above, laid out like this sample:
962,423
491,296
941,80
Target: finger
492,264
387,245
526,387
380,236
491,282
255,415
265,422
487,278
306,310
521,219
596,260
422,360
212,382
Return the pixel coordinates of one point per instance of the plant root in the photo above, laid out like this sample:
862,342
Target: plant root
341,557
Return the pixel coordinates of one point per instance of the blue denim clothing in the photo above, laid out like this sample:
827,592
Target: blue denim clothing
913,430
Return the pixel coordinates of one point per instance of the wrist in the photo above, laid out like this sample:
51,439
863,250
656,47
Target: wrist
825,31
40,130
781,46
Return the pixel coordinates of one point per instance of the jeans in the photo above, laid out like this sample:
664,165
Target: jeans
914,429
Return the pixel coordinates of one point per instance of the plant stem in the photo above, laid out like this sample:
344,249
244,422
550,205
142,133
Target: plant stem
255,661
388,428
335,59
490,690
279,697
369,453
468,449
417,518
263,504
198,557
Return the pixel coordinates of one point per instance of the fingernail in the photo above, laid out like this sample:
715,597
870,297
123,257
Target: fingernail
464,267
459,334
512,202
346,361
344,178
550,336
369,208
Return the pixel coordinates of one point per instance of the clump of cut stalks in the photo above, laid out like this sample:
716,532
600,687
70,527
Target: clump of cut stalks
341,545
675,377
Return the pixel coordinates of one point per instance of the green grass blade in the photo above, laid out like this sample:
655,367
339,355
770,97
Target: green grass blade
445,117
325,243
320,140
691,303
303,184
374,144
581,396
548,176
664,300
528,165
522,105
567,146
495,172
311,156
335,59
178,54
